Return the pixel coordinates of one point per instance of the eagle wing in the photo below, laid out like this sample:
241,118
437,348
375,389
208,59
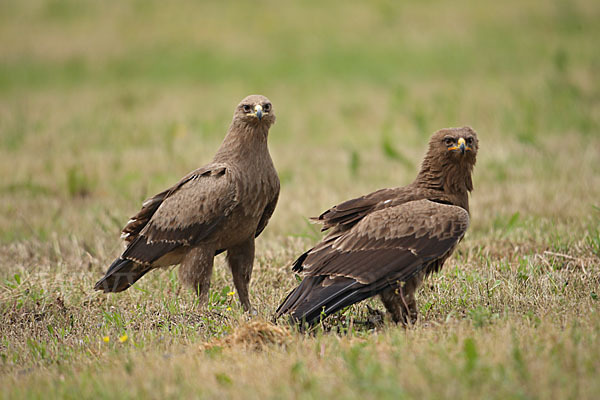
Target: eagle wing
183,215
267,213
384,248
348,213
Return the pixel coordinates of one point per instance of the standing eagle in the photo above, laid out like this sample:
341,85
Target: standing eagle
222,206
386,242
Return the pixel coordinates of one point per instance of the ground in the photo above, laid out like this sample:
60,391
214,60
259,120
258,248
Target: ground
103,104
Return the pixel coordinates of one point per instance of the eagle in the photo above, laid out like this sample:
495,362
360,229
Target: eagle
222,206
386,242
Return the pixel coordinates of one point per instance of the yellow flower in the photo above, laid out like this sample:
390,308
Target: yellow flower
106,339
228,308
231,293
123,338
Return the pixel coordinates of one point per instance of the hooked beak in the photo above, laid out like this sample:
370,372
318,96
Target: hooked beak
462,145
258,111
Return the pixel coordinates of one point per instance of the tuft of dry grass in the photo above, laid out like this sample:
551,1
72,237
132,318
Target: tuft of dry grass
254,335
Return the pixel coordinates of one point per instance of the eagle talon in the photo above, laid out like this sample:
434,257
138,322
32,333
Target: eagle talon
375,317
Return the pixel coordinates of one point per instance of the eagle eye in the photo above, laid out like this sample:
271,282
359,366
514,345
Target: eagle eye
469,140
246,108
449,141
267,107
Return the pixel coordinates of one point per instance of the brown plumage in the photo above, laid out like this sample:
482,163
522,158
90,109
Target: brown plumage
386,242
219,207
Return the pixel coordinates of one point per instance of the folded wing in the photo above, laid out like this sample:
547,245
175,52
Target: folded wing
187,215
383,249
183,215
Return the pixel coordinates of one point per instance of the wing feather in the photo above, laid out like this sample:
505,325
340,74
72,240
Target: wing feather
267,213
348,213
385,248
184,215
421,228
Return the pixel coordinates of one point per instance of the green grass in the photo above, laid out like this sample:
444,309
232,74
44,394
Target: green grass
102,105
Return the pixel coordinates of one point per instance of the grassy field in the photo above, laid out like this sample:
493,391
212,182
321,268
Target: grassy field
105,103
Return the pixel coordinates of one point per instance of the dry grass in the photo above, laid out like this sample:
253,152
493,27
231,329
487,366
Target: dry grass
102,105
254,335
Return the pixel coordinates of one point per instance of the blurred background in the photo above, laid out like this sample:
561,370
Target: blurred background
105,103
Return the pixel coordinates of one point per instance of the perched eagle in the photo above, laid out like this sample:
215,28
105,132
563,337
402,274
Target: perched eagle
386,242
219,207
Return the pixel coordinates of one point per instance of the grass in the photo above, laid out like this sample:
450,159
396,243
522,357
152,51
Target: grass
102,105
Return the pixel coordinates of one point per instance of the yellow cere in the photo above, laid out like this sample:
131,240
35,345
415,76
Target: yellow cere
461,141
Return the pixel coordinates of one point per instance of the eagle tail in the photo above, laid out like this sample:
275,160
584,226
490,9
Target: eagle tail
311,300
120,275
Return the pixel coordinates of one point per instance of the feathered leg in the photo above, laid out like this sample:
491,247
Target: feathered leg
400,301
240,260
196,271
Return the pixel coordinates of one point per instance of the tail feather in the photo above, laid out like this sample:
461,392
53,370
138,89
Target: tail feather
320,296
312,300
120,275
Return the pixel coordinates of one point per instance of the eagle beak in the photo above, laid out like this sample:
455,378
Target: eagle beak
462,145
258,111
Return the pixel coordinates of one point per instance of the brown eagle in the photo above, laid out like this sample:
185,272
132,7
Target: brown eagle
219,207
386,242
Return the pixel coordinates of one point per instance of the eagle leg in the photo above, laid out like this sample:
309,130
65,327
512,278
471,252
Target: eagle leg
240,259
400,302
196,270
